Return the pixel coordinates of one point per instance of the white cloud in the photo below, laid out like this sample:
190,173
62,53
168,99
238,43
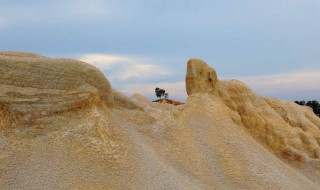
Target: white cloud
103,61
298,85
123,72
124,67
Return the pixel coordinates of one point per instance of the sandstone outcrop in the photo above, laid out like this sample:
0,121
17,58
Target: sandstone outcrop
289,130
64,127
34,87
200,78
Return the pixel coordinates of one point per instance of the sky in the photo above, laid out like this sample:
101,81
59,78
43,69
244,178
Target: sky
273,46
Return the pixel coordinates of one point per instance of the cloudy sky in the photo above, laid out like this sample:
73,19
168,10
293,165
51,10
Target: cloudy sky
273,46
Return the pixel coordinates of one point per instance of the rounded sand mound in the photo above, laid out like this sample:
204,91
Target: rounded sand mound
34,86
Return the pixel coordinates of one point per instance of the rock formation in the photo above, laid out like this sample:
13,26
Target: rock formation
62,126
34,87
200,77
289,130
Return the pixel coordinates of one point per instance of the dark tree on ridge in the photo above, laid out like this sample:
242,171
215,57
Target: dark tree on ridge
315,105
161,93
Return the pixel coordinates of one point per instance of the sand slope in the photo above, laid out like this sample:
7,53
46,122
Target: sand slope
226,137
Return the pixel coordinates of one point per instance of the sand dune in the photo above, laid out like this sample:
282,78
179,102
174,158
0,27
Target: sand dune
64,127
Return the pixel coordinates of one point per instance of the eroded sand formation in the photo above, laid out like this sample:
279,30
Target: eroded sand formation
64,127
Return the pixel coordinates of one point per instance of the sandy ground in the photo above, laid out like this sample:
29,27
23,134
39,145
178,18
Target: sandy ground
198,147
